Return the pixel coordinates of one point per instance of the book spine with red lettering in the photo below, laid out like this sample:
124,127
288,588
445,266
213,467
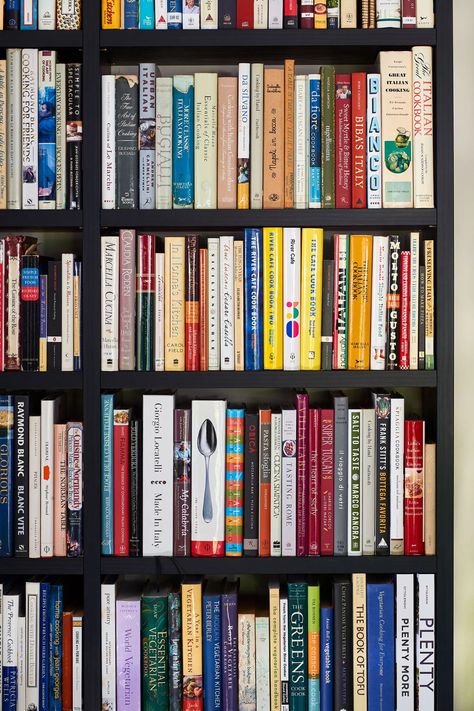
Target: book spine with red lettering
408,14
414,484
290,14
306,14
404,352
192,303
314,460
121,482
203,307
245,14
302,422
343,103
327,482
359,139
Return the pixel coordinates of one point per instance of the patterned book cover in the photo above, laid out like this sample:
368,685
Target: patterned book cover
339,341
127,298
191,295
74,137
234,475
68,14
414,486
174,656
405,300
182,482
253,299
47,129
60,489
251,484
191,602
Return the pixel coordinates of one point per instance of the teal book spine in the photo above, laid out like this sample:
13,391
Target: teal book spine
154,627
146,15
297,647
107,540
183,141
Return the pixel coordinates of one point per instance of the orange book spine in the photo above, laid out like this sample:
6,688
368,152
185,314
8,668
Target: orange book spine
67,662
274,139
360,289
227,143
203,305
265,421
60,489
289,132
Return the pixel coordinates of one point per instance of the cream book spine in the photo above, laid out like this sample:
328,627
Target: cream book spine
209,14
46,14
67,315
61,139
291,297
226,264
161,15
275,14
389,13
32,611
348,14
260,14
205,141
110,304
14,140
227,143
108,142
164,143
29,128
213,300
423,127
262,661
425,14
243,137
174,303
301,141
256,139
378,321
49,415
107,607
159,311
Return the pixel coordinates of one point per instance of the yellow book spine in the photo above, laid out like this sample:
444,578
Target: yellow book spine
320,15
191,603
359,637
111,19
239,304
273,298
360,289
274,613
311,297
174,303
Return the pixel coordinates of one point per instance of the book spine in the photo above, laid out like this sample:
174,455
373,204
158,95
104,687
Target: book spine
174,300
359,140
126,284
49,414
378,337
314,192
128,653
274,621
328,91
74,489
29,312
164,143
239,305
61,141
77,314
354,498
77,663
290,14
182,482
288,481
368,482
205,141
60,489
14,110
360,286
32,613
154,640
54,308
227,142
311,297
212,655
29,127
251,485
320,15
265,482
108,142
159,324
10,606
21,674
74,138
43,647
229,646
297,646
191,296
405,293
55,651
110,311
425,642
227,14
12,15
414,463
339,341
381,664
382,405
414,298
146,15
429,500
307,15
333,11
275,491
260,14
126,132
327,663
359,641
246,663
256,137
226,263
344,107
203,309
272,298
107,473
174,657
68,15
66,690
273,139
393,303
253,299
243,137
13,250
46,14
67,312
429,304
209,15
43,325
374,156
313,646
290,127
130,15
3,296
327,482
47,129
423,170
291,297
302,465
388,13
421,316
135,488
214,302
348,13
424,14
147,133
342,484
284,654
301,142
262,661
34,487
21,467
121,484
3,134
342,600
314,517
405,642
408,14
175,14
245,15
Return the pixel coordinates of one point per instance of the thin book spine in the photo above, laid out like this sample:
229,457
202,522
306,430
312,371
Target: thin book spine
339,341
243,141
110,311
126,299
147,136
164,143
382,405
291,297
205,140
60,489
288,481
273,298
226,262
251,484
397,450
265,482
21,469
74,136
183,141
107,474
174,301
354,498
182,482
374,155
74,489
239,304
135,488
67,311
342,482
159,311
29,127
327,482
47,104
34,487
203,308
191,297
234,475
227,141
314,167
214,303
275,492
368,482
290,131
378,339
108,144
314,516
302,463
253,299
327,317
14,139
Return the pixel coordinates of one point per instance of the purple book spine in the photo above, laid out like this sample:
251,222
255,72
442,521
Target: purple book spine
182,482
230,684
127,279
128,655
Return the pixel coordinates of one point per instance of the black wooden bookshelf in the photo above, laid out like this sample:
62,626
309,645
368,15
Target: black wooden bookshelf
96,47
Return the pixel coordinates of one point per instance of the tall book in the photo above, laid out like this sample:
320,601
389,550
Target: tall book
182,482
214,303
154,648
183,141
374,154
110,310
147,136
127,290
191,303
360,282
14,138
50,413
108,143
328,90
34,487
205,140
29,127
425,641
327,482
227,142
273,139
47,129
262,661
174,303
314,472
60,489
288,481
398,502
29,311
239,306
291,297
297,646
234,482
191,603
243,137
128,659
159,311
342,600
265,421
382,406
378,328
251,484
424,14
121,485
326,656
211,642
344,132
302,463
274,619
275,485
388,13
405,642
311,297
314,664
126,122
414,486
354,493
341,301
68,15
359,641
381,643
229,646
164,143
289,132
74,138
54,315
423,129
301,141
314,190
253,299
359,140
342,462
174,656
6,475
272,298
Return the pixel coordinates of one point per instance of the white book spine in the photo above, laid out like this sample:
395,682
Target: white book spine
426,642
423,168
378,336
10,605
209,14
147,135
348,13
213,297
158,418
108,645
29,127
414,297
26,14
21,674
405,642
243,117
226,259
190,17
288,482
262,660
260,14
164,142
67,315
61,139
275,14
34,488
110,302
368,482
275,495
374,143
424,13
161,15
77,664
32,607
48,418
46,14
108,143
159,311
291,297
354,498
389,13
397,450
205,141
284,654
301,142
14,111
256,139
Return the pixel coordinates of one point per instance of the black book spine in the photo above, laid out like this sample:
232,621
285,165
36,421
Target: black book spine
382,406
327,316
12,15
227,14
251,485
421,318
126,123
135,489
393,303
54,318
21,521
342,600
74,489
29,312
74,136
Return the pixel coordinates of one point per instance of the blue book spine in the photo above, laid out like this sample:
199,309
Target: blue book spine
44,648
12,14
55,647
326,645
212,660
253,347
29,15
7,418
183,141
175,14
230,682
107,407
147,14
77,363
47,129
130,14
315,142
380,647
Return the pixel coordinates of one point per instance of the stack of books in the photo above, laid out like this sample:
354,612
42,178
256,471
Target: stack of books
40,15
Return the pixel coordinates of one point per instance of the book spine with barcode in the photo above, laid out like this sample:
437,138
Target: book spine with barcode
29,127
146,136
214,303
110,307
14,138
164,143
226,260
74,136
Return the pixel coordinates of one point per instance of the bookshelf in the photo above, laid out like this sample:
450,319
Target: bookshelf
97,47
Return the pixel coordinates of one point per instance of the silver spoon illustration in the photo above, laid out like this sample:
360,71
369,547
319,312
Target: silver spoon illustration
207,443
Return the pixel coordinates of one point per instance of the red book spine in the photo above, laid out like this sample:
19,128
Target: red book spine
343,140
327,482
359,139
290,14
121,482
245,14
203,306
66,693
302,418
306,15
265,421
192,304
404,356
409,14
414,478
314,459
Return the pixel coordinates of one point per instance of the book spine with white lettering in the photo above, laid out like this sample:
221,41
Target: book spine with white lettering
314,167
368,482
378,336
29,127
397,449
146,136
21,474
423,155
425,642
164,143
226,263
291,297
414,298
110,307
405,642
382,473
183,141
74,489
374,138
288,482
276,498
354,499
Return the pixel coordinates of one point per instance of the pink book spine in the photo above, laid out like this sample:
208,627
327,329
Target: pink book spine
227,145
314,514
327,482
302,417
60,490
127,300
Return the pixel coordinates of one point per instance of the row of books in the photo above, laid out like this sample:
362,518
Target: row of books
265,14
212,479
270,301
40,308
40,131
40,15
41,479
351,643
41,663
270,138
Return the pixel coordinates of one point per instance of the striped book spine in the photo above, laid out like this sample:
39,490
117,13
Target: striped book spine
234,476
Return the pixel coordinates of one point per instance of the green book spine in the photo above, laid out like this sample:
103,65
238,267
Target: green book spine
298,650
145,301
328,89
154,627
